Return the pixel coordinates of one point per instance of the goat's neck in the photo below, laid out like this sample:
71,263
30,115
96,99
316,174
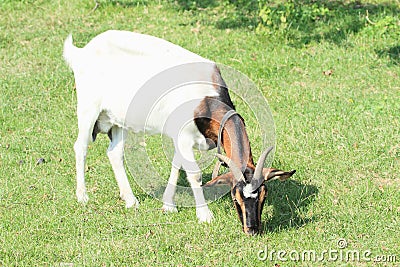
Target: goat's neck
235,142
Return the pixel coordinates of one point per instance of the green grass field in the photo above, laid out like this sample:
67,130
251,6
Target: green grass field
331,73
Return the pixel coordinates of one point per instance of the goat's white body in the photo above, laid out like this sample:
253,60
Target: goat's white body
109,72
113,66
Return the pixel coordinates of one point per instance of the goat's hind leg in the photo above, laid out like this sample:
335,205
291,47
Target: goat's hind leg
115,154
86,121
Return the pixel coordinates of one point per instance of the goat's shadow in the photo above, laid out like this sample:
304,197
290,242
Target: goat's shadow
290,201
287,201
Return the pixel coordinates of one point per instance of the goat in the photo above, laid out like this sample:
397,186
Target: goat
123,83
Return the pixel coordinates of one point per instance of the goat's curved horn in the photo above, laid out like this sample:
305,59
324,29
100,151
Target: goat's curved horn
237,173
258,177
216,169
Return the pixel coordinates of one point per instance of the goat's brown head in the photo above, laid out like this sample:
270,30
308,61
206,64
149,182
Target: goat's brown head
248,189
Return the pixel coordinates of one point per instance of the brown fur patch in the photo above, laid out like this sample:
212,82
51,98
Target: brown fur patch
241,204
212,131
208,116
261,198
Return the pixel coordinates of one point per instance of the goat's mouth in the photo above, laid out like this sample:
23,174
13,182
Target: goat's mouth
251,231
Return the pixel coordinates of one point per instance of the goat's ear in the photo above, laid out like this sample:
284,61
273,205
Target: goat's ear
273,174
226,178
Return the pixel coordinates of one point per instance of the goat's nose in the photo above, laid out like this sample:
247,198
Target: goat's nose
251,231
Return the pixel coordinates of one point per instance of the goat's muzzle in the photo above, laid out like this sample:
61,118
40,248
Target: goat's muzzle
250,231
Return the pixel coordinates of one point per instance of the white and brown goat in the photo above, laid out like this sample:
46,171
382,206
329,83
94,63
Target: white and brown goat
128,81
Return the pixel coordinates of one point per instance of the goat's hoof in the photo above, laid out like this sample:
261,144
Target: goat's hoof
204,214
82,196
169,208
131,201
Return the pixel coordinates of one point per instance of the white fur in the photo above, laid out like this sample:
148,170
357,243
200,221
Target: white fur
248,191
109,71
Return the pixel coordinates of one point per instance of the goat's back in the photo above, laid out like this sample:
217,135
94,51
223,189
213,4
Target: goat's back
115,65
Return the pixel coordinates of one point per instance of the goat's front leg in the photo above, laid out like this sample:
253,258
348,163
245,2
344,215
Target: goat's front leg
193,173
169,193
115,154
203,213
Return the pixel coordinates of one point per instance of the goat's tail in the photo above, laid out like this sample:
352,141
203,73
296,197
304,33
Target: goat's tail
70,52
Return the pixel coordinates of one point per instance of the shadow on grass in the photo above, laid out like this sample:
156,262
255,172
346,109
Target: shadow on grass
290,201
231,13
393,53
343,19
299,21
195,5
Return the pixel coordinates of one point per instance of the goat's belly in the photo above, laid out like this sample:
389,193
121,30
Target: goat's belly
179,128
104,123
172,127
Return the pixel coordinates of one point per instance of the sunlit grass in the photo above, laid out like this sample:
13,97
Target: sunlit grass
335,102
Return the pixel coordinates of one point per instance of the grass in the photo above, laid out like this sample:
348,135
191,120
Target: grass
340,131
